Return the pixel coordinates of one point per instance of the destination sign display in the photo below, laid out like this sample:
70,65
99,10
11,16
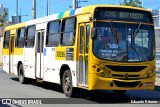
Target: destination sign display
123,14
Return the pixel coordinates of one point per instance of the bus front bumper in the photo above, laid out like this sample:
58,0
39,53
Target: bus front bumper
101,83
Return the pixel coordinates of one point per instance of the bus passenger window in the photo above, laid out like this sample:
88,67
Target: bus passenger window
6,39
20,38
30,36
53,34
68,32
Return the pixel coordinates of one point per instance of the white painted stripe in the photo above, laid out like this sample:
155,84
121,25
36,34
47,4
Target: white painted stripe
43,19
78,11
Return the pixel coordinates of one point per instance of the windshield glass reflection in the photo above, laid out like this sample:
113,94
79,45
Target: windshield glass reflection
124,42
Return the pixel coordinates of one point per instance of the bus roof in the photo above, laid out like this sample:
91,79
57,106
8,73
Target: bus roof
78,11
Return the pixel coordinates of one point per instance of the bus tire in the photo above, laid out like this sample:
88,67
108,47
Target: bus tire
68,89
22,78
120,92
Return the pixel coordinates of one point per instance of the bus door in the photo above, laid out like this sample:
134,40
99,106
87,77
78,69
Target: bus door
84,32
39,54
11,54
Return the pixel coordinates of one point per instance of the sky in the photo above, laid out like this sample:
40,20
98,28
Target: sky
56,6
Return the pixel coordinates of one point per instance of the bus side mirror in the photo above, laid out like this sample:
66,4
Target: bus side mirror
93,33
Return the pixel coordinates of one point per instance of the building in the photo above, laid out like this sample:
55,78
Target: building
2,10
157,34
156,14
15,19
156,17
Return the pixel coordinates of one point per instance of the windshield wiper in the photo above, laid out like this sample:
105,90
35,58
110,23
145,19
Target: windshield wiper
114,33
133,37
137,30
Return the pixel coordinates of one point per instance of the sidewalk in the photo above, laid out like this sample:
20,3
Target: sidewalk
157,81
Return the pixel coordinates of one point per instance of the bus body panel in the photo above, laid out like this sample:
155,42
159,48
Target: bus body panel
29,62
99,83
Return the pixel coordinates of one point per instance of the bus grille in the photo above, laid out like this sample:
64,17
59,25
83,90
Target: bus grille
126,84
126,68
122,76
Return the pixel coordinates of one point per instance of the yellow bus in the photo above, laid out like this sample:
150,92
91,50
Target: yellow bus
98,47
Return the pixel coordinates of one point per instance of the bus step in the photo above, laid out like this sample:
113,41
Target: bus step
39,80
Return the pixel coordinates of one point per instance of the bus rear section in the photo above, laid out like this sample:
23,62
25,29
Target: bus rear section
12,50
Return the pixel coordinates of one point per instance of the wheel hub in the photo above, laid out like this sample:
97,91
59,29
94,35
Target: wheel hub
67,83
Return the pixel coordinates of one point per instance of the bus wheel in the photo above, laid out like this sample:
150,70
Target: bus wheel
22,79
120,92
68,90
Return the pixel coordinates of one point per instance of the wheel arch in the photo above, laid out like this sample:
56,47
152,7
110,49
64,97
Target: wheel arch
63,68
19,63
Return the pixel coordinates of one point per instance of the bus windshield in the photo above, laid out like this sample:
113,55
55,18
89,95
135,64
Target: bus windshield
124,42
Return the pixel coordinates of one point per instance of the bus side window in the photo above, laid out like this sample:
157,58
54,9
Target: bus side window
30,36
53,34
6,39
87,37
20,38
68,32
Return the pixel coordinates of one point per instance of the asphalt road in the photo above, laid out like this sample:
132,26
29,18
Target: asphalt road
52,94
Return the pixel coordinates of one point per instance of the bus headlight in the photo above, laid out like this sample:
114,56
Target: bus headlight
151,71
100,71
147,75
102,74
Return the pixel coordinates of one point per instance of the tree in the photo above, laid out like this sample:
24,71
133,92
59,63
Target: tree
2,19
134,3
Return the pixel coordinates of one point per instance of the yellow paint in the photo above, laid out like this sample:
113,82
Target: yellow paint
15,26
83,18
100,83
18,51
97,82
60,53
88,9
92,7
5,51
12,29
94,79
13,32
66,14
